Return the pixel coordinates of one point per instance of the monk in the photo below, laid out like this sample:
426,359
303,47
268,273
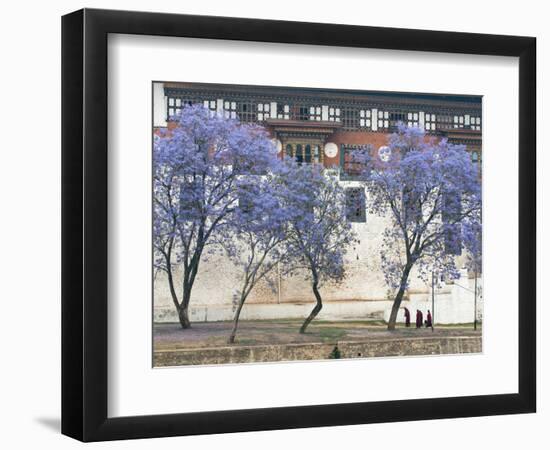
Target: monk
407,317
419,318
429,320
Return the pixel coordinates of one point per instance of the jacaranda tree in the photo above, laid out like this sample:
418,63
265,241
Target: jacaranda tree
259,224
197,165
431,192
318,233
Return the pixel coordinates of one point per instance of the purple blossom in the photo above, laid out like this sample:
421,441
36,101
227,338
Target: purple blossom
318,233
432,193
198,165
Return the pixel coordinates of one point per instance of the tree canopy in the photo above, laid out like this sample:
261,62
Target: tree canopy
318,233
431,191
197,164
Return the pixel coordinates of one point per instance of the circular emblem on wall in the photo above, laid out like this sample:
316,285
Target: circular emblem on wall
278,144
384,153
331,149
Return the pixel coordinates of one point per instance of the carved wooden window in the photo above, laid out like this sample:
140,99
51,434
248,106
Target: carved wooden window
316,153
444,121
365,118
458,121
302,113
210,104
350,118
264,111
334,114
247,111
475,123
315,113
288,151
412,119
299,154
230,109
350,165
383,119
175,105
355,204
283,111
307,153
430,121
397,117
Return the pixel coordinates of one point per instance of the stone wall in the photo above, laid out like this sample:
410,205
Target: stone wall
300,352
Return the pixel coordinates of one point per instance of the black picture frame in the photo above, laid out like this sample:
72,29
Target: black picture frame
84,224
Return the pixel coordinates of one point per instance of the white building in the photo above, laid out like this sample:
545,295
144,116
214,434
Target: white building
344,121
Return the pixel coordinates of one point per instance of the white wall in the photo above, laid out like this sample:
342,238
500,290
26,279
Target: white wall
159,105
363,294
30,182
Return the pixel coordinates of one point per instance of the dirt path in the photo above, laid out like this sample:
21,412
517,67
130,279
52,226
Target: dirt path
214,334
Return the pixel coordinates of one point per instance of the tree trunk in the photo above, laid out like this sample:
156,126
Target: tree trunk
183,314
399,297
231,339
183,308
316,309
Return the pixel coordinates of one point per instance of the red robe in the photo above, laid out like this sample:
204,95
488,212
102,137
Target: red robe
407,318
419,318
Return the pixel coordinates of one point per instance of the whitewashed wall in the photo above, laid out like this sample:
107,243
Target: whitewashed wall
159,105
363,294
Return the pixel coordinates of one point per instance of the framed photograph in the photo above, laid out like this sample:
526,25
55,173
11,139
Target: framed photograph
273,225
